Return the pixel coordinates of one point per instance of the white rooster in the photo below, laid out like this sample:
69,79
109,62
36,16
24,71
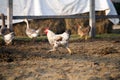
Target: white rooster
31,33
57,40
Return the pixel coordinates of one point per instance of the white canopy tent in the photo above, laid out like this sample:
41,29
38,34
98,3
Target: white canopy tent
56,7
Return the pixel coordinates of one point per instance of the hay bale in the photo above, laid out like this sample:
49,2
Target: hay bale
59,25
56,25
102,25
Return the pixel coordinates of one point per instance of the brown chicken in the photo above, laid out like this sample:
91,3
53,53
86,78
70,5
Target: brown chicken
84,32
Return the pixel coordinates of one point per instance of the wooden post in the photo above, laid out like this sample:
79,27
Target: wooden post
92,18
3,24
10,14
3,20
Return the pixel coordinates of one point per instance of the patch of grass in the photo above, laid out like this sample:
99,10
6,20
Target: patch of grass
72,37
108,35
41,38
22,38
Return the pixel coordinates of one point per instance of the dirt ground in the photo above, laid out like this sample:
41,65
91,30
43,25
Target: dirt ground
97,59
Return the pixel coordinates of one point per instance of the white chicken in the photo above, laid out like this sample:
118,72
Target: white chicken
57,40
6,33
31,33
8,38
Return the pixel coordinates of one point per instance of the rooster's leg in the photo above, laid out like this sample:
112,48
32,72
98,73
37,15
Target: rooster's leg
51,50
55,46
86,37
54,49
69,50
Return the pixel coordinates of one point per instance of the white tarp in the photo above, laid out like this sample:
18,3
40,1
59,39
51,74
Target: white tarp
57,7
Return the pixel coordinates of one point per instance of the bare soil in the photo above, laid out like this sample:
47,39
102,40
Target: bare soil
97,59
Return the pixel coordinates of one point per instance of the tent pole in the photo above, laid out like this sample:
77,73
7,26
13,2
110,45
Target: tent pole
92,18
10,14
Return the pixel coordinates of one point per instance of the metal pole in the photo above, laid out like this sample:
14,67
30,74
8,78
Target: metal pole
10,14
92,18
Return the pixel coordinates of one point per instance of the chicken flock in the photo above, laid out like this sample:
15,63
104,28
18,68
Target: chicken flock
55,40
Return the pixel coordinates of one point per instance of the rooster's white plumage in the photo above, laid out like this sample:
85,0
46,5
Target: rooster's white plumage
57,40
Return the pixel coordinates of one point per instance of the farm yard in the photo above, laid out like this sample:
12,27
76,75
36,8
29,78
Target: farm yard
93,59
32,30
